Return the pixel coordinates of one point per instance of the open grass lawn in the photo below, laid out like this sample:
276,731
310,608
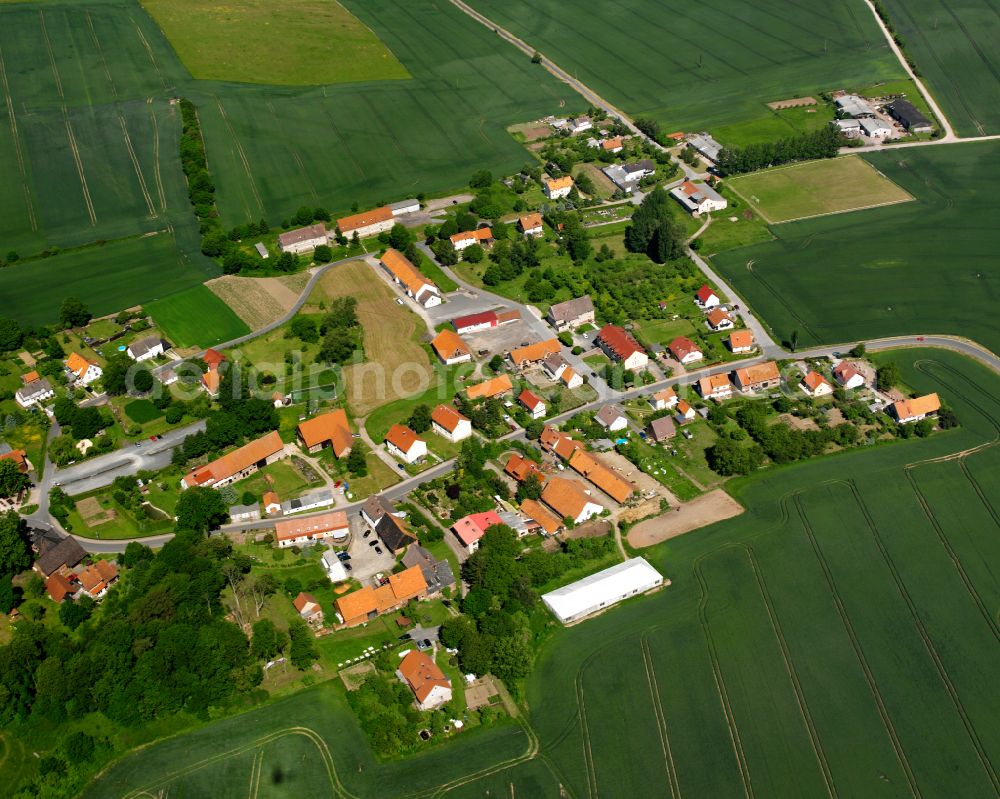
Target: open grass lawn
444,384
926,266
196,318
431,270
142,411
777,124
695,67
815,188
281,477
304,42
955,46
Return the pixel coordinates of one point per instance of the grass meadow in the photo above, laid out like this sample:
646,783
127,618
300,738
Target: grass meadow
839,638
248,42
926,266
196,317
699,65
816,188
955,46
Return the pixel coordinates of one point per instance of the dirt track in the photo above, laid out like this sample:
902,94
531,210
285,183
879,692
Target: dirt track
715,506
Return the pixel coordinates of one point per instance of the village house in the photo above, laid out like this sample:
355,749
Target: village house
430,687
469,529
619,345
144,349
685,413
612,418
437,573
59,588
450,347
271,502
569,501
848,375
913,410
308,608
375,507
715,387
365,604
60,556
473,323
18,456
34,393
403,207
523,357
706,297
394,533
450,424
554,365
627,176
663,400
407,276
494,387
570,379
815,385
244,513
718,319
685,350
534,404
741,341
482,236
698,198
97,578
240,463
307,530
303,239
541,516
759,377
661,430
367,223
579,125
401,442
329,429
571,314
212,377
613,145
705,145
520,468
585,464
313,500
531,225
557,188
83,370
562,444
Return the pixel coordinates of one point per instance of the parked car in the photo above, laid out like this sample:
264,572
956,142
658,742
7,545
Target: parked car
367,533
348,567
378,550
343,556
373,543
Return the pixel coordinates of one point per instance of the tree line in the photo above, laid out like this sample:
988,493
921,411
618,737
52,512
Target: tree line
823,143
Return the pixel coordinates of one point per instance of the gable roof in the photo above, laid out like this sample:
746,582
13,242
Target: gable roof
236,461
348,224
58,587
422,674
846,370
19,456
394,532
601,476
662,428
717,316
34,389
534,352
402,437
77,364
740,338
447,417
571,309
567,375
562,444
813,380
565,497
530,400
96,577
30,377
493,387
143,345
704,294
304,599
919,406
310,525
331,426
479,234
708,385
699,191
475,319
608,414
471,528
681,347
213,358
437,573
67,552
405,272
539,513
530,221
554,184
612,144
449,345
307,233
619,341
520,468
758,373
665,394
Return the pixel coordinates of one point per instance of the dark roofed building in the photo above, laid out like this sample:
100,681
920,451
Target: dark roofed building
437,573
375,507
904,112
66,554
572,313
394,533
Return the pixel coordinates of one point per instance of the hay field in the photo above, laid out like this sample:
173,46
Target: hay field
955,46
816,188
196,318
258,301
273,149
247,41
694,66
395,364
927,266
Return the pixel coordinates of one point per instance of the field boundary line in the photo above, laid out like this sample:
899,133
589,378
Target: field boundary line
793,676
964,466
135,165
100,52
720,685
908,199
79,167
17,143
661,719
925,637
157,177
149,51
52,55
295,153
242,154
782,301
858,648
255,769
588,754
755,206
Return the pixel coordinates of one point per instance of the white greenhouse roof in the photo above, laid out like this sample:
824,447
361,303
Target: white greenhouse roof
603,588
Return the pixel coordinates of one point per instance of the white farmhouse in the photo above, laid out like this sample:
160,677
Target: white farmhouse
698,198
303,239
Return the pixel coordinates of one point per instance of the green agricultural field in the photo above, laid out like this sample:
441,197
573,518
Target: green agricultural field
839,638
954,44
927,266
274,149
248,42
697,66
816,188
196,318
118,275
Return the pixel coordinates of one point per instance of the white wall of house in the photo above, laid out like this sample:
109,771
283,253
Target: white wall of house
637,360
590,510
462,430
417,451
93,373
691,357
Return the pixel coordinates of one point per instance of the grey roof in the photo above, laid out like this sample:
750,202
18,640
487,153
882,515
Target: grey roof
854,106
554,361
702,191
244,510
34,389
870,126
706,145
662,428
376,506
643,165
5,448
437,573
261,249
846,124
143,345
403,204
906,112
319,497
67,552
394,532
607,414
603,444
303,234
514,520
617,175
571,309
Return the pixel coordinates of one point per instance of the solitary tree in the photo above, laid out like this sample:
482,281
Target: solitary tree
73,313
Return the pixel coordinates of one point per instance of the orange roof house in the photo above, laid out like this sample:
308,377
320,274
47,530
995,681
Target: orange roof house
758,376
601,476
428,683
741,341
348,224
534,353
569,500
366,603
238,463
213,358
454,424
539,513
562,444
59,587
30,377
911,410
816,385
401,437
328,429
79,365
612,145
19,456
718,319
306,529
530,222
520,468
97,578
450,347
466,238
715,387
493,387
404,272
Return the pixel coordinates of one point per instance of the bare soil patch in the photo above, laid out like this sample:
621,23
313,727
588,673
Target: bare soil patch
595,528
258,301
798,423
354,676
794,102
481,693
715,506
92,512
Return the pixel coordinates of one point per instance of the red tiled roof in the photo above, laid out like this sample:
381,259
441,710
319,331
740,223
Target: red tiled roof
471,528
447,417
705,294
681,347
402,437
237,460
332,427
619,341
348,224
474,320
422,674
530,400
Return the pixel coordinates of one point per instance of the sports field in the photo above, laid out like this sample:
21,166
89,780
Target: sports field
815,188
927,266
837,639
698,65
297,43
196,317
274,149
954,44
